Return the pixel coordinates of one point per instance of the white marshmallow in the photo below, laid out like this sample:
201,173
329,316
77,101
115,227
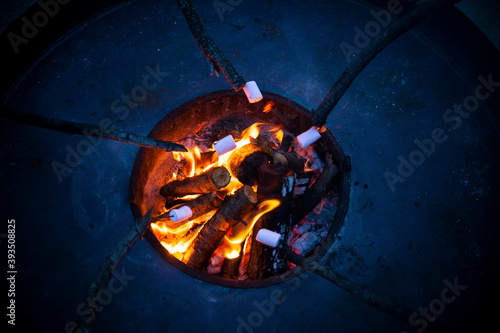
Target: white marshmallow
268,237
181,213
252,91
225,145
308,137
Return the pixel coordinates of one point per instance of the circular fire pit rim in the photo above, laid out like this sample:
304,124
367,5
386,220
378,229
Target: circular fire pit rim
334,147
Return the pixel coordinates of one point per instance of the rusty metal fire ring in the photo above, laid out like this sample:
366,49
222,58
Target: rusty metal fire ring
229,104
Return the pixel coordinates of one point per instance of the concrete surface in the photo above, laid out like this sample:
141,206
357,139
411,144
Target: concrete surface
438,227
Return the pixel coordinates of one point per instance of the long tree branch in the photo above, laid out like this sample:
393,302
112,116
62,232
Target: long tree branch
383,304
71,127
110,264
395,29
214,55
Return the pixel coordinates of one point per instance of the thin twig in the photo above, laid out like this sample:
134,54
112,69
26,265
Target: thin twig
71,127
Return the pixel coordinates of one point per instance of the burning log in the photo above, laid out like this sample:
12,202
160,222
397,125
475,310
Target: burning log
216,262
228,215
245,258
302,182
230,268
171,203
202,161
290,159
317,191
286,143
210,181
245,163
199,206
207,158
275,182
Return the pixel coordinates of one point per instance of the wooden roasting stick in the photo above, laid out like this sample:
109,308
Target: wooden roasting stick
209,181
317,191
90,130
108,267
228,215
214,55
383,304
377,45
275,182
201,205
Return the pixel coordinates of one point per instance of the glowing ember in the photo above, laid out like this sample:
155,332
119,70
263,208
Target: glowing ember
177,237
177,240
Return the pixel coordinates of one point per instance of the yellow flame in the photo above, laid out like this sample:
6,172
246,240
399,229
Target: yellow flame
279,135
177,240
232,243
192,157
252,131
177,155
231,250
162,228
180,246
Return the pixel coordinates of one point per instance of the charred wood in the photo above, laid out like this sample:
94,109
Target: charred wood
209,181
228,215
201,205
275,182
317,191
289,159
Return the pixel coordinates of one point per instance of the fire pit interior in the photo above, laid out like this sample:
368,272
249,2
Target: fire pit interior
208,208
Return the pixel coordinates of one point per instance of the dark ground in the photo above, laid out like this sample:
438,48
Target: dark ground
439,224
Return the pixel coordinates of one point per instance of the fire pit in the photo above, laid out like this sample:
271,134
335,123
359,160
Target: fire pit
269,181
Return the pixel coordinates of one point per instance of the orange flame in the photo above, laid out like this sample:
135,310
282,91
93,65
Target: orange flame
192,157
177,240
232,243
307,168
279,135
268,107
322,129
250,132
